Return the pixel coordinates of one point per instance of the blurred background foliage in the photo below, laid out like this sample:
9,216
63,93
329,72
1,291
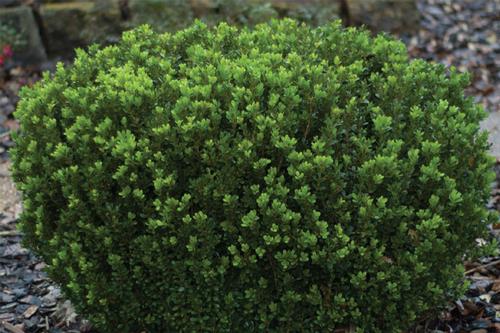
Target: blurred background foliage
56,27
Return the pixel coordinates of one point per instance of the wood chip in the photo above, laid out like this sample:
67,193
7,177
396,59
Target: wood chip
11,328
30,311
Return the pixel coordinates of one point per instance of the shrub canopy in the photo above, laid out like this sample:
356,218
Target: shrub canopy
280,179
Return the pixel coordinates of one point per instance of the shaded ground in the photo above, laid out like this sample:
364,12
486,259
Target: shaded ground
463,33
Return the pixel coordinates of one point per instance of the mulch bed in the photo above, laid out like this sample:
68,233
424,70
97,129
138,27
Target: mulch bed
463,33
29,301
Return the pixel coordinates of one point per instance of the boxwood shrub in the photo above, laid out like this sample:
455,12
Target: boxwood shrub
278,179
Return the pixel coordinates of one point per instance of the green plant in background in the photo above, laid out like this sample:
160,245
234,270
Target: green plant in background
10,39
10,36
281,179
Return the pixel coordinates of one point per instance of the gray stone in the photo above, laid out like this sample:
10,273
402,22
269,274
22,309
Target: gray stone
69,25
22,20
64,23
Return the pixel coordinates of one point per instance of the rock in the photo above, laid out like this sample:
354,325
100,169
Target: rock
243,12
63,24
76,24
315,12
162,15
385,15
104,23
30,49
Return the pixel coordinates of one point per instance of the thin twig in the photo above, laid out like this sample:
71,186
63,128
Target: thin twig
482,266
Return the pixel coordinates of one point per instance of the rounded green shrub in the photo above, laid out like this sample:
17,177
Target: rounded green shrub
280,179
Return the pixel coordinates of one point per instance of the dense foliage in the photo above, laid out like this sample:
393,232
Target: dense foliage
280,179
